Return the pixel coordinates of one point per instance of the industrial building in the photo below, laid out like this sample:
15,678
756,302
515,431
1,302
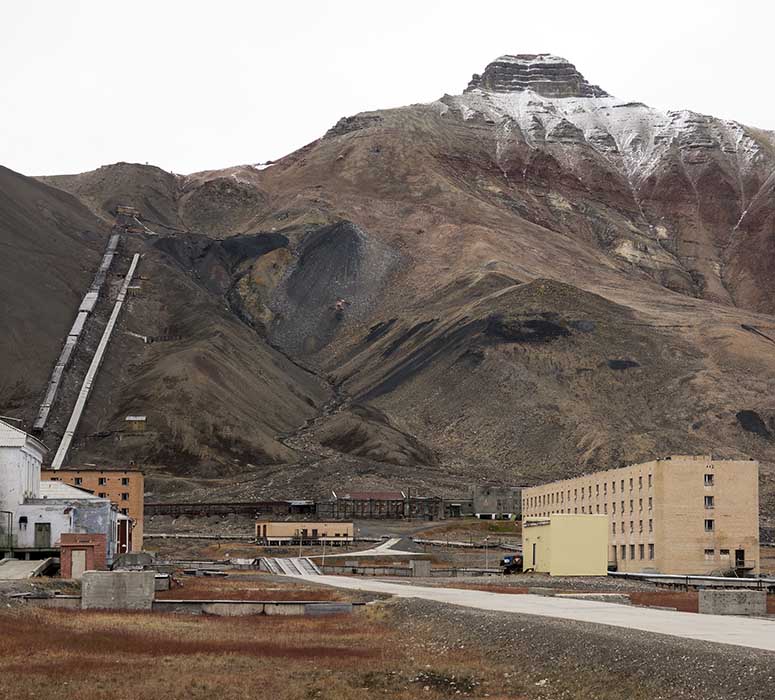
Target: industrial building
682,514
566,545
497,502
124,488
35,513
285,532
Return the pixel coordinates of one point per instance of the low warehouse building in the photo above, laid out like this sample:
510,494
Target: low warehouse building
566,545
279,532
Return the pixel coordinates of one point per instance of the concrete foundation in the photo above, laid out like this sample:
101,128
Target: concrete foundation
734,602
117,590
239,608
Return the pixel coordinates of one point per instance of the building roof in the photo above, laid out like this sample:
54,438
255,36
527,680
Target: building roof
371,496
60,490
11,436
132,418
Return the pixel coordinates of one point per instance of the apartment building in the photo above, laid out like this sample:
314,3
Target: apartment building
123,487
681,514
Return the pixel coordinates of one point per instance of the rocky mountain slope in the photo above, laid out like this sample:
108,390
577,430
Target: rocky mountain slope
526,280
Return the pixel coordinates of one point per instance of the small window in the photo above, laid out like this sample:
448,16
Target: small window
631,508
651,525
632,524
583,509
710,554
125,511
623,551
724,553
709,501
124,496
710,526
651,551
597,489
641,551
102,481
613,487
622,485
613,507
605,488
631,481
597,509
23,522
640,527
78,481
101,494
125,481
640,504
575,511
632,552
605,508
622,506
709,480
613,525
640,486
650,481
651,503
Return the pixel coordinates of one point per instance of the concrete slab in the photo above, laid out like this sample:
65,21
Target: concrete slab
21,568
722,629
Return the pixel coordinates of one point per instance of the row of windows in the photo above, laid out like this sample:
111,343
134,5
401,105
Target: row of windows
641,551
559,496
613,507
102,481
632,526
124,496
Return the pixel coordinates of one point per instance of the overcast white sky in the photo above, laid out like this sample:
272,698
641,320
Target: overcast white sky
197,85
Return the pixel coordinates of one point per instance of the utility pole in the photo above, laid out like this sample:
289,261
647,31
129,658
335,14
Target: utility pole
486,554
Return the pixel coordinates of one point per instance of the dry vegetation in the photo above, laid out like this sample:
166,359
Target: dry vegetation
145,655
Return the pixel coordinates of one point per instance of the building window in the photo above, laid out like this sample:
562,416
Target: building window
640,504
583,509
613,487
622,485
651,551
124,496
23,522
575,493
590,490
640,486
709,480
622,506
649,480
125,481
631,508
641,551
710,525
78,480
613,507
623,551
102,481
125,511
597,509
632,552
101,494
640,526
710,554
651,525
575,511
651,502
613,525
605,508
724,553
632,526
622,526
709,501
597,489
631,480
605,488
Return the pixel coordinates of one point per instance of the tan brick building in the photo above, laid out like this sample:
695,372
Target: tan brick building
682,514
124,487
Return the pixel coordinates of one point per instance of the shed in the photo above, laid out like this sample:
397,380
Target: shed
566,545
135,424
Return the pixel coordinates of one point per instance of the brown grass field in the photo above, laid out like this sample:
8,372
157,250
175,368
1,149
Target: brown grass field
248,587
138,656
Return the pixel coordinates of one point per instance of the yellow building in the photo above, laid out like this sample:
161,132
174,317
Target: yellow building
682,514
279,532
124,487
566,545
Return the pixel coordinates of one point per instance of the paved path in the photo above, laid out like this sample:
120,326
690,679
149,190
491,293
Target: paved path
723,629
381,550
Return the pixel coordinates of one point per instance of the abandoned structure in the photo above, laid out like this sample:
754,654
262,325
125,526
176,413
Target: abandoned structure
284,532
34,513
497,502
682,514
566,545
124,488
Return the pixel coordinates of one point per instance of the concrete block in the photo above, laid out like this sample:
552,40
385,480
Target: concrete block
328,608
117,590
420,567
133,560
733,602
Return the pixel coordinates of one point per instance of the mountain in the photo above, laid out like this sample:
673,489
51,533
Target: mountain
524,281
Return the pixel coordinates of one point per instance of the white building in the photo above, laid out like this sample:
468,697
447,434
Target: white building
35,513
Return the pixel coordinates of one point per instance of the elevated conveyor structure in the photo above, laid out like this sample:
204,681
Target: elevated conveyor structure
71,341
94,367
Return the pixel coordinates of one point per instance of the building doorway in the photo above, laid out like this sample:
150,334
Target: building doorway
78,563
42,535
739,558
